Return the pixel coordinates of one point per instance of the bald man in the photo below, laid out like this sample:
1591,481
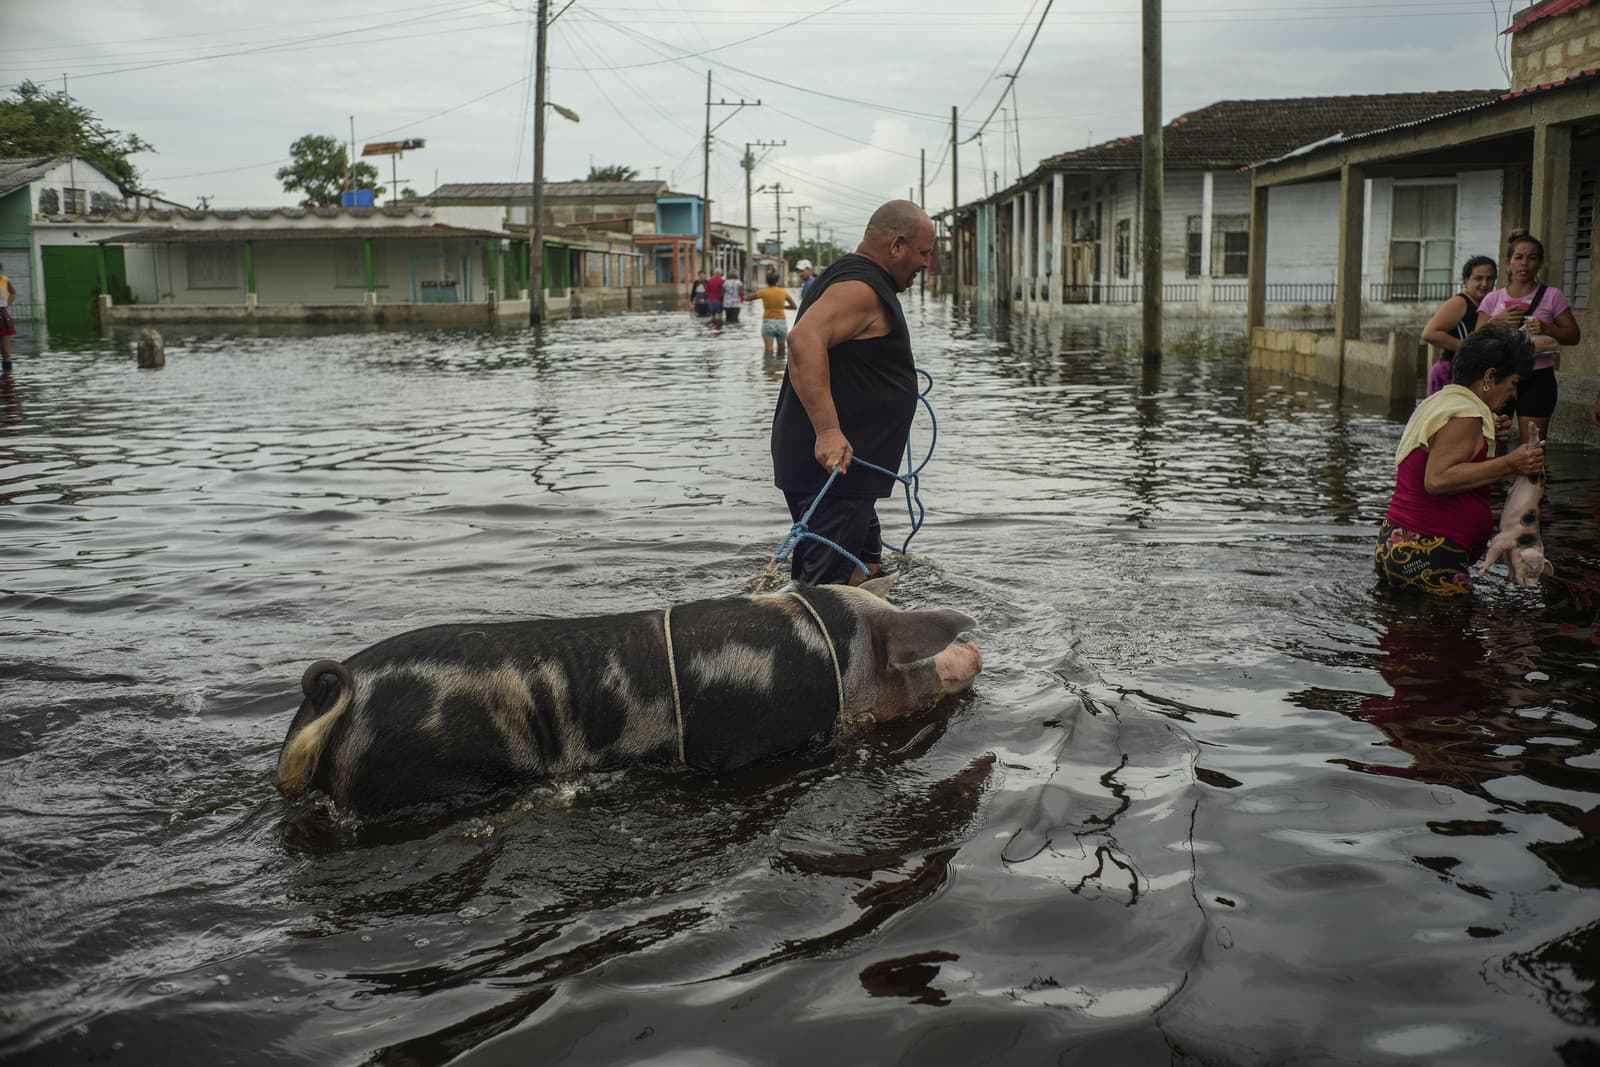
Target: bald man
850,389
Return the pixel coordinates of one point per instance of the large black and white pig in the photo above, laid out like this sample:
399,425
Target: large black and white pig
453,711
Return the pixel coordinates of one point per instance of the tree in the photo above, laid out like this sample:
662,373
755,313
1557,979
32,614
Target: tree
617,172
36,122
317,169
818,252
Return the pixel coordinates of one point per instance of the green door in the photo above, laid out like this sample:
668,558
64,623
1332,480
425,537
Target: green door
72,282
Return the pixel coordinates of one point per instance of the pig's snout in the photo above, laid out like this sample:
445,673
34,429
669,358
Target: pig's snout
958,665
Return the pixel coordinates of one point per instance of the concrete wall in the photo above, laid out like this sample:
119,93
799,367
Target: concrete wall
317,314
1386,369
1556,48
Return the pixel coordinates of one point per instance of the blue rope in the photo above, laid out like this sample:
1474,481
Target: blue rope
912,480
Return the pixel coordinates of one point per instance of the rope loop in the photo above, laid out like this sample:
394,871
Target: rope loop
912,480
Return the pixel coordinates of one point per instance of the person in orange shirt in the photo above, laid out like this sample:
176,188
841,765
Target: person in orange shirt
774,323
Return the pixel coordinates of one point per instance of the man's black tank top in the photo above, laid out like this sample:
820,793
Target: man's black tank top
874,385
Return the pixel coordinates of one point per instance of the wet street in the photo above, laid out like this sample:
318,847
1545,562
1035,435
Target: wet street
1212,801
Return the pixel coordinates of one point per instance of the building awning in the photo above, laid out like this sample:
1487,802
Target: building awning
188,235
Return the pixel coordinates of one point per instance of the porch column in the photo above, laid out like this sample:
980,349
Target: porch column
1255,309
491,266
366,263
250,297
1513,214
1057,242
1042,243
1026,275
1016,249
1208,213
105,273
1552,180
1347,275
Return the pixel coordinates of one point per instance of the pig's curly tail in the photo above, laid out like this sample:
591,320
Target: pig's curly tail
298,760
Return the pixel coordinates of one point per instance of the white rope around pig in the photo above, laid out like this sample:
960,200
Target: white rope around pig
677,693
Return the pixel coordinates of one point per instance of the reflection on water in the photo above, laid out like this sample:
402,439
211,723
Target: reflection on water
1212,798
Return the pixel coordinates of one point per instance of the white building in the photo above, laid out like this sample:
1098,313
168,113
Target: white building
1069,233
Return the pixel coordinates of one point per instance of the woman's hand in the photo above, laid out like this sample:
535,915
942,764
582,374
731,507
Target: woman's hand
1527,460
1502,427
1534,326
1509,316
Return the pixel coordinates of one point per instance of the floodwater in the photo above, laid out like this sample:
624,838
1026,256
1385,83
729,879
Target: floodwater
1213,801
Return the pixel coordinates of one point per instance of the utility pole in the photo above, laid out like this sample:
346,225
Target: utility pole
1152,170
705,199
777,211
749,165
922,202
955,202
800,224
536,205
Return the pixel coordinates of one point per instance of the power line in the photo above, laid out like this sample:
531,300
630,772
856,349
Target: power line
708,51
43,51
1013,75
320,40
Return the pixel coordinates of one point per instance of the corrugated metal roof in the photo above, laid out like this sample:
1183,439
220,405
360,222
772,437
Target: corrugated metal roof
1540,12
188,235
1498,99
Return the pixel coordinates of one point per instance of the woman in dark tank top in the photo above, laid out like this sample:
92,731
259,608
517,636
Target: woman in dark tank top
1455,319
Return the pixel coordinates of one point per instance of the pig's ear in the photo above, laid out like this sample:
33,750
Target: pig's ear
879,587
913,635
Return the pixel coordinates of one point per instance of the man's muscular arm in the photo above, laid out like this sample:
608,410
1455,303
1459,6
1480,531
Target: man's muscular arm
846,311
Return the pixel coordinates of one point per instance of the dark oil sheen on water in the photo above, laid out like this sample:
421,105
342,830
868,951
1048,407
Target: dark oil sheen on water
1211,802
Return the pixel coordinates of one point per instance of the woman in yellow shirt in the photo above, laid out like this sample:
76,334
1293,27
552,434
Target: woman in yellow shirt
774,323
8,329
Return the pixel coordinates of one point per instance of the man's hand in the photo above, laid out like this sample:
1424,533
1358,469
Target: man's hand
833,450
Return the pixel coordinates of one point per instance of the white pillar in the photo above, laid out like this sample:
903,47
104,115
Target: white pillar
1027,247
1044,206
1207,214
1016,249
1057,231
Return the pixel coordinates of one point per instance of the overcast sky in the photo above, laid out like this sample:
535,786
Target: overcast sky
855,87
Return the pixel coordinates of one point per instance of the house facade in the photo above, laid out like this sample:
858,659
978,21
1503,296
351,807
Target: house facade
52,211
390,264
608,245
1540,143
1069,234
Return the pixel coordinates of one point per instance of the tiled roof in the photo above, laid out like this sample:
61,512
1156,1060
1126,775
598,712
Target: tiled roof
502,192
1549,9
18,171
1234,133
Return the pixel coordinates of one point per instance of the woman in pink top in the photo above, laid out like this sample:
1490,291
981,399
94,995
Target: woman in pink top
1546,312
1439,519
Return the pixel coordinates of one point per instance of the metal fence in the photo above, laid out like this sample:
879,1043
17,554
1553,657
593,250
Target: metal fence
1238,292
1409,292
1189,293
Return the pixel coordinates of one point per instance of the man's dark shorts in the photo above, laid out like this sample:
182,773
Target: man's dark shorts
1536,395
851,522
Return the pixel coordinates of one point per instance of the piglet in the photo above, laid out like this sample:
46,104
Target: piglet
1518,539
450,712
